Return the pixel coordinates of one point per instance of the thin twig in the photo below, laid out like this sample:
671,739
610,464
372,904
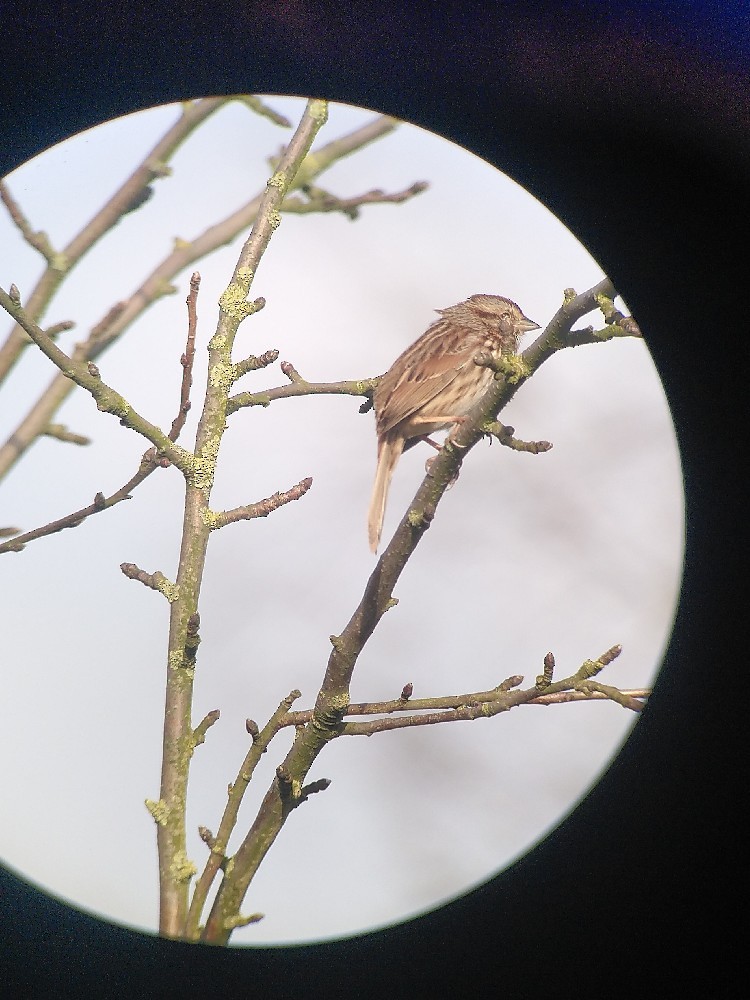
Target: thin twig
100,503
157,285
476,704
318,200
62,433
62,263
154,581
187,358
208,720
150,461
261,108
218,844
262,508
299,387
327,720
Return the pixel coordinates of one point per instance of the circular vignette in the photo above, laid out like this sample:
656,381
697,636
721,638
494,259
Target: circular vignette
603,510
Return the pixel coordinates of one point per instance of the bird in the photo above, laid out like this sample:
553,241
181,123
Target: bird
435,383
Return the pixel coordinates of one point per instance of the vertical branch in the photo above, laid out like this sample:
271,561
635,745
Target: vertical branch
175,871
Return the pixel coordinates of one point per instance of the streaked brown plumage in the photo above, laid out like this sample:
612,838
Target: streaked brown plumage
435,382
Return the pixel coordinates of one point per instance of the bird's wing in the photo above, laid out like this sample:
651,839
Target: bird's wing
408,388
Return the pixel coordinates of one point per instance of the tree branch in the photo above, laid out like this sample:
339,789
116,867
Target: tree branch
199,733
89,378
38,240
234,307
299,387
61,433
60,264
318,200
481,704
151,460
236,791
504,434
154,581
261,108
158,283
262,508
326,721
187,360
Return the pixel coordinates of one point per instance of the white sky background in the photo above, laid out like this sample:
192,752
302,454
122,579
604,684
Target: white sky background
571,551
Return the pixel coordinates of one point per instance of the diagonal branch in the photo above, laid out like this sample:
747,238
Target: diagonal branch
260,107
38,240
151,460
76,517
261,508
158,284
62,433
235,793
154,581
88,377
326,722
60,264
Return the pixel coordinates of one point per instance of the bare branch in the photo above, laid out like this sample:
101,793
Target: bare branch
61,433
54,331
232,923
149,462
315,786
504,434
199,733
252,364
154,165
304,716
38,240
154,581
318,200
636,698
188,358
152,459
262,508
261,108
159,282
176,917
88,377
464,708
299,387
481,704
236,792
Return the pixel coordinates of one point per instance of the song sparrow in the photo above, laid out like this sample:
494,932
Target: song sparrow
435,382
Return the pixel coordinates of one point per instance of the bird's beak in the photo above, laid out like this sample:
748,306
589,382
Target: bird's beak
527,325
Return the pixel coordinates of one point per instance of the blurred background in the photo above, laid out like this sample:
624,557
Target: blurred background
571,551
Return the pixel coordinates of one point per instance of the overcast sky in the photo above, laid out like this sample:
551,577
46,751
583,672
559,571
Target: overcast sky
571,551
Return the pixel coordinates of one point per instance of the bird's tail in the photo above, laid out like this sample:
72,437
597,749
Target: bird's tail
389,452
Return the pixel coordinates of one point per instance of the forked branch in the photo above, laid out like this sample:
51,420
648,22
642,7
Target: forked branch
327,720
